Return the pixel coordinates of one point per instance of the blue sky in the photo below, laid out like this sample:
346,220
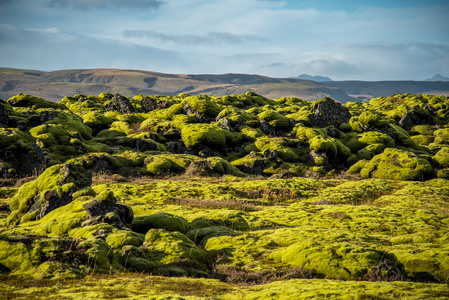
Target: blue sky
345,40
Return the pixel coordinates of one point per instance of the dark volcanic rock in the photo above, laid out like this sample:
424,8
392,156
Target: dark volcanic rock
106,210
4,113
415,117
148,104
144,145
120,104
329,112
53,201
267,128
255,169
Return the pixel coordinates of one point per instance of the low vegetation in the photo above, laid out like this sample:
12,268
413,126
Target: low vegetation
227,197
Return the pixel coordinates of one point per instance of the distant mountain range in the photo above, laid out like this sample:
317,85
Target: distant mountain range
53,86
438,77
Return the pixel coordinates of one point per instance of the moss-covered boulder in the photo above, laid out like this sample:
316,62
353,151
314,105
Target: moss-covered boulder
416,116
253,163
19,149
209,135
333,260
36,257
231,118
398,165
442,157
105,209
202,108
168,247
52,189
168,163
212,166
272,122
170,222
25,100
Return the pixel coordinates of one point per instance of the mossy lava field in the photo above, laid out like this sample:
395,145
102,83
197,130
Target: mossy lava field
234,197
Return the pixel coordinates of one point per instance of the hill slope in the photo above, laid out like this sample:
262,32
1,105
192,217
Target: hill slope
53,86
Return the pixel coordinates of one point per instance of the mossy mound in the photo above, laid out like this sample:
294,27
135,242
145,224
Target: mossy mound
52,189
33,257
201,135
168,247
398,165
334,261
165,221
25,100
202,108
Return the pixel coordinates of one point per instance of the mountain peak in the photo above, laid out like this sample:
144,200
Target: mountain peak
438,77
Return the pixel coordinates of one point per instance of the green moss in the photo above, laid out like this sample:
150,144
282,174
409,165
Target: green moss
165,221
441,136
397,164
422,140
324,145
276,120
442,157
100,254
203,106
25,100
15,140
62,180
252,163
345,127
236,116
196,135
424,129
305,134
425,266
334,261
358,166
159,164
319,161
97,120
365,154
122,238
443,174
278,145
370,119
374,137
221,166
168,247
238,250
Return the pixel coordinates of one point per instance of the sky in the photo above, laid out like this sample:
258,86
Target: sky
344,40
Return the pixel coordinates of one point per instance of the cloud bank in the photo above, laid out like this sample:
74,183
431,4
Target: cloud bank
273,38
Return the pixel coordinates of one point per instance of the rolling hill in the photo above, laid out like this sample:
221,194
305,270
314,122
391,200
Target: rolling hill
53,86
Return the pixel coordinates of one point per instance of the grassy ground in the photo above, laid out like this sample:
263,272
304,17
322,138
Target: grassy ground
321,225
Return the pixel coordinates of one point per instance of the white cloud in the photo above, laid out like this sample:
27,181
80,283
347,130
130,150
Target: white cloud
52,49
105,4
209,39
